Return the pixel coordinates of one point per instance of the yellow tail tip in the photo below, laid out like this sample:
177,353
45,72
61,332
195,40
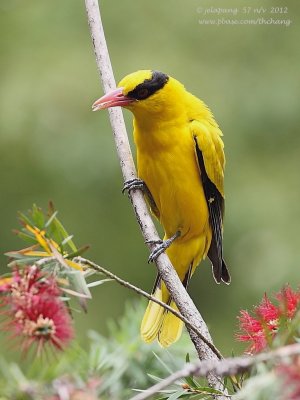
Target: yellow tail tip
171,328
152,319
157,323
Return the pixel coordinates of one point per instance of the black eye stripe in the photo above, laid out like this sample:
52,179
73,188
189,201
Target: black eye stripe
143,93
149,86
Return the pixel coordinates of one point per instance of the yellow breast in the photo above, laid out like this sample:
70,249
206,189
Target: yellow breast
167,163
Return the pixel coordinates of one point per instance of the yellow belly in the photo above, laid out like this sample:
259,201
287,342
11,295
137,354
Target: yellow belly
173,178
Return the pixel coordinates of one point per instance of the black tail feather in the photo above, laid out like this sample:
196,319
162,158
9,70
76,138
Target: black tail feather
226,278
219,267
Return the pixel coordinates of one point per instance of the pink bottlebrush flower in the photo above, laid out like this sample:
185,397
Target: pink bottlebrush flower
32,281
44,320
289,301
268,312
34,310
260,328
290,375
251,331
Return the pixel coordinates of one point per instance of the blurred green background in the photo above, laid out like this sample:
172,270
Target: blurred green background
53,147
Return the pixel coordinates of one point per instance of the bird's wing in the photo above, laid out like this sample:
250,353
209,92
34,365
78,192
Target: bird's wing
211,161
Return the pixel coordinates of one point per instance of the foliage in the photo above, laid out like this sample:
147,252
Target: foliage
35,304
49,145
53,147
42,277
35,293
110,368
271,325
51,243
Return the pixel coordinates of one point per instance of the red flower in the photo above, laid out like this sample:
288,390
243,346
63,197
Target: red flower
268,312
289,301
34,310
260,329
252,331
290,374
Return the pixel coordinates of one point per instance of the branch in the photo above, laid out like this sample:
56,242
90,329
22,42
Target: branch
221,368
165,268
85,262
98,268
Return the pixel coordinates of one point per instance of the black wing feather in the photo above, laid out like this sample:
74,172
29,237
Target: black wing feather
215,203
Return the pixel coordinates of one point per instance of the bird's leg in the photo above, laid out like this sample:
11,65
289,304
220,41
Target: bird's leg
137,183
162,246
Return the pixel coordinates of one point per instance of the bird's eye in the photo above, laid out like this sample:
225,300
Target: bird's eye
142,93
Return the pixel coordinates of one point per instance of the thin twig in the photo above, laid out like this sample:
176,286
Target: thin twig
98,268
225,367
85,262
164,266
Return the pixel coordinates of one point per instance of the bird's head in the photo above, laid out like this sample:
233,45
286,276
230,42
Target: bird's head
142,91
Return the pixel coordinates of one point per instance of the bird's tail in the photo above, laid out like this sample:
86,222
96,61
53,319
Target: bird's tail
159,323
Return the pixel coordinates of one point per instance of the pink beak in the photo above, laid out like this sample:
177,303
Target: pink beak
112,99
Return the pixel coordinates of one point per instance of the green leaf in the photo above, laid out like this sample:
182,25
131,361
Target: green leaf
67,239
26,237
97,283
207,389
163,363
60,228
50,220
38,217
177,394
73,293
78,252
23,218
190,381
187,358
22,261
155,378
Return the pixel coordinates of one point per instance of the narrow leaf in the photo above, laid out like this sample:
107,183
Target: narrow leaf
59,226
73,293
50,220
24,219
163,363
177,395
78,252
67,239
155,378
97,283
38,217
26,237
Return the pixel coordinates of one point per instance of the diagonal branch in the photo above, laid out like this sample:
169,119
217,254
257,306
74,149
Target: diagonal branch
165,268
98,268
224,367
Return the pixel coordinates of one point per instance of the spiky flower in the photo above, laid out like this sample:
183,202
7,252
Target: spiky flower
261,326
34,309
290,375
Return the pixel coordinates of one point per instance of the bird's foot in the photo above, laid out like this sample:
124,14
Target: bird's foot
133,184
162,246
159,241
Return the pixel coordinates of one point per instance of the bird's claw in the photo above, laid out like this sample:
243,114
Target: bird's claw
157,252
159,241
162,246
132,184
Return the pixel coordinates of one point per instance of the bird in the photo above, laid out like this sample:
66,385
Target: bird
180,163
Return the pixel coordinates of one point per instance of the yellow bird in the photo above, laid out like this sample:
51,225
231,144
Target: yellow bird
180,160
